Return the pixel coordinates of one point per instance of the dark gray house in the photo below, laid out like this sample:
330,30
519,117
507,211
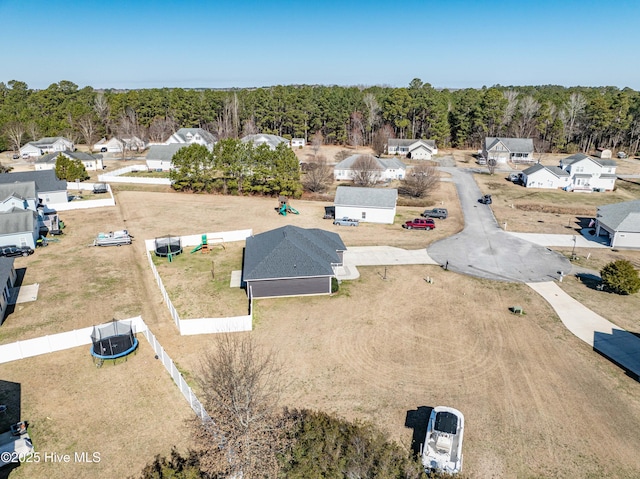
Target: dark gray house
291,261
8,278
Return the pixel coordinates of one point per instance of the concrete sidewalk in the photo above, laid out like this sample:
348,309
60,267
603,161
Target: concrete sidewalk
378,256
620,346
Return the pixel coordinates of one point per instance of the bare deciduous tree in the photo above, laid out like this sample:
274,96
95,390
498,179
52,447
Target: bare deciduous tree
373,112
366,171
101,107
420,181
381,139
14,132
33,130
492,163
356,132
574,109
161,129
87,127
242,384
318,176
510,109
249,127
528,110
317,140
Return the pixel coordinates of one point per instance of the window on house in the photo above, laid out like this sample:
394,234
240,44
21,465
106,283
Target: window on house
364,215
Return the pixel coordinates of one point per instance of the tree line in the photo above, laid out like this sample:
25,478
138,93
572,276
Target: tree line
559,119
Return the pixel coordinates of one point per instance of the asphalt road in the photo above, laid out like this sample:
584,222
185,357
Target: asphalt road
484,250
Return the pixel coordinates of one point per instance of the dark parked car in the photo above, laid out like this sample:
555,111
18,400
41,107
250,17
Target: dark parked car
15,251
486,199
440,213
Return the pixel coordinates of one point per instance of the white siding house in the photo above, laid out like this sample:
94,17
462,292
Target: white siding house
298,142
190,136
386,168
414,149
90,162
46,145
369,205
539,176
516,150
588,173
159,157
118,145
272,141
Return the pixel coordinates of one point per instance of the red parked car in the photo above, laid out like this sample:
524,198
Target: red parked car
420,224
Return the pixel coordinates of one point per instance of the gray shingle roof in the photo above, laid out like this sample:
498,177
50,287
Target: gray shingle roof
18,221
164,152
383,163
25,190
570,160
404,142
74,155
621,216
263,138
47,141
46,180
514,145
204,134
291,252
533,169
366,197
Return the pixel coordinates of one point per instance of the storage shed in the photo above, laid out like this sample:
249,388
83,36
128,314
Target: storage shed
369,205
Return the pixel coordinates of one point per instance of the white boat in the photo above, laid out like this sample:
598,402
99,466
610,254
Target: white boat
113,238
443,443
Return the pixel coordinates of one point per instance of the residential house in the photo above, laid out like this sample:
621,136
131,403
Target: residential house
19,227
160,157
23,196
386,168
369,205
414,149
298,142
540,176
589,173
8,278
516,150
291,261
272,141
50,189
190,136
621,223
119,145
46,145
90,162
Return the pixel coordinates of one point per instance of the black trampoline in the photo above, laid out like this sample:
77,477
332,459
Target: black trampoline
168,245
113,340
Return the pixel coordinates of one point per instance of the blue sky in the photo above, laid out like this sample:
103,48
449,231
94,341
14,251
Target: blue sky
448,43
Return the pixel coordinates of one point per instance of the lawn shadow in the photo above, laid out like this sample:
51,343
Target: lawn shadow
10,400
417,419
591,281
11,307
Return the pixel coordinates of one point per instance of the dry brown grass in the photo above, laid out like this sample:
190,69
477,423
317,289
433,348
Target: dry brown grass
538,402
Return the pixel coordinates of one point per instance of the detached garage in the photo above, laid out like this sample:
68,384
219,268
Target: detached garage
291,261
369,205
621,223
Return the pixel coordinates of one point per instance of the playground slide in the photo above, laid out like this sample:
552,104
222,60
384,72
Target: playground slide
293,210
197,248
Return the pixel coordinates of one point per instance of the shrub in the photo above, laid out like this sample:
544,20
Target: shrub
621,277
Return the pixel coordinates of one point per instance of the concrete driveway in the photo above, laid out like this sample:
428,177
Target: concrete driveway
484,250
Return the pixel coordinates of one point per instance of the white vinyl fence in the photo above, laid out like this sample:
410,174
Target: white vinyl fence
204,325
82,204
82,337
115,176
55,342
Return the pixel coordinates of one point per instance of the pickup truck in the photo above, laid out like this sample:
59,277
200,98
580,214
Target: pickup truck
420,224
440,213
346,222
